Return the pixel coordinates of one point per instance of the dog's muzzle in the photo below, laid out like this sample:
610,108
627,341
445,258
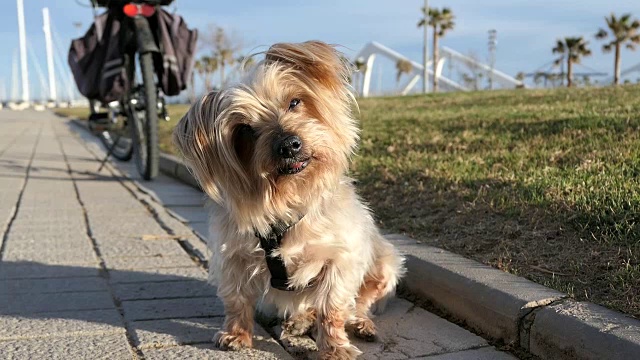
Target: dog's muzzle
288,150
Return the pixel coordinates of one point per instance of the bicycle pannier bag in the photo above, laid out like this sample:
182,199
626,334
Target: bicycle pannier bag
97,62
177,45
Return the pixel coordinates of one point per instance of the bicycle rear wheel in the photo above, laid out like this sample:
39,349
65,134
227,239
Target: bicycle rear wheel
145,123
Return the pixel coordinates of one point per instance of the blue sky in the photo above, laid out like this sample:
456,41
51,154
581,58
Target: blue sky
526,29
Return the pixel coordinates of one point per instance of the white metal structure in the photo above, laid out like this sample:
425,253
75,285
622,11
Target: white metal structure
623,73
371,50
14,76
44,87
50,66
23,52
497,77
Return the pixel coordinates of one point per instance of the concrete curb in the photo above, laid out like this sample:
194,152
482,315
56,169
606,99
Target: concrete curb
172,166
503,306
515,310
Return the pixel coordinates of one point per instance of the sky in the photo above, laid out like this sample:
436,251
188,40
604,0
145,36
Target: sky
527,30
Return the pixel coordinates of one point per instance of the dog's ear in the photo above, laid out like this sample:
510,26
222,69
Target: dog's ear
195,139
316,59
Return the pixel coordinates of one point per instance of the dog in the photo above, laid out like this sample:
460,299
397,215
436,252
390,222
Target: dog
274,152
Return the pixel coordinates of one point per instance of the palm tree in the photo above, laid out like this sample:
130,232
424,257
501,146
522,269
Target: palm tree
205,67
198,66
403,66
624,32
441,21
246,61
224,47
572,49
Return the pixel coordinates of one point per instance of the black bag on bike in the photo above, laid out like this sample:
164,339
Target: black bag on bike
177,47
97,62
97,58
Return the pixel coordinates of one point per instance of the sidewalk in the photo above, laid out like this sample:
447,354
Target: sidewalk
95,266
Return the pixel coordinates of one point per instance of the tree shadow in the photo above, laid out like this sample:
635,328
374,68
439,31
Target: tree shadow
162,308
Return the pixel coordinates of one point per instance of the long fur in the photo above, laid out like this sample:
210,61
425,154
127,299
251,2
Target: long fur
227,140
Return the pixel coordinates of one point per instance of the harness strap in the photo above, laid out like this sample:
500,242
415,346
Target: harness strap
275,264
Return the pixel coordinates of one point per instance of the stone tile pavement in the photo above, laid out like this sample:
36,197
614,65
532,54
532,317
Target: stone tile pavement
97,266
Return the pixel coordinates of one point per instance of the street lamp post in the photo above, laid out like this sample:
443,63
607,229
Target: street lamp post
493,42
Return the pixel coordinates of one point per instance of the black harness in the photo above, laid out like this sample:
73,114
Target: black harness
275,264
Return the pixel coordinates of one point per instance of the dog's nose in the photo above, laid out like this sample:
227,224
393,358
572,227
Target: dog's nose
288,147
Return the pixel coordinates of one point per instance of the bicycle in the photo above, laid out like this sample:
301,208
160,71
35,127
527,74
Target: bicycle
130,127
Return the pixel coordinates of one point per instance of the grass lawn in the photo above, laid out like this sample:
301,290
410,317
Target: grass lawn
540,183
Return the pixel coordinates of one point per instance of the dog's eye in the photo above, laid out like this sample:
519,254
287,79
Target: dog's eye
293,103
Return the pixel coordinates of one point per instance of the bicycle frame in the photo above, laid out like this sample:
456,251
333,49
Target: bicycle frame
141,104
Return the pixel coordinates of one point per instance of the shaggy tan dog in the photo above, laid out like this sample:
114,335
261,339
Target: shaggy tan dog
274,151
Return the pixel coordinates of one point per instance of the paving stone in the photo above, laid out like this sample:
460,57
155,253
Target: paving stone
28,269
58,217
51,255
407,331
487,353
201,228
25,303
170,189
156,275
154,262
193,242
164,290
171,332
119,247
172,308
62,323
41,230
126,228
197,246
192,213
105,347
48,243
264,348
118,210
190,199
57,285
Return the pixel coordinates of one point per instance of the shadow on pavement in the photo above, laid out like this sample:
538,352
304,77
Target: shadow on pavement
160,306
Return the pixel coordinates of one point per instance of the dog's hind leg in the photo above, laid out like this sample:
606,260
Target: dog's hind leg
378,285
371,291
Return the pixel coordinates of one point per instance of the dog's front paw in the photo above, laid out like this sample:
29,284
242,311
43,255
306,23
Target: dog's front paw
364,329
299,324
348,352
228,341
